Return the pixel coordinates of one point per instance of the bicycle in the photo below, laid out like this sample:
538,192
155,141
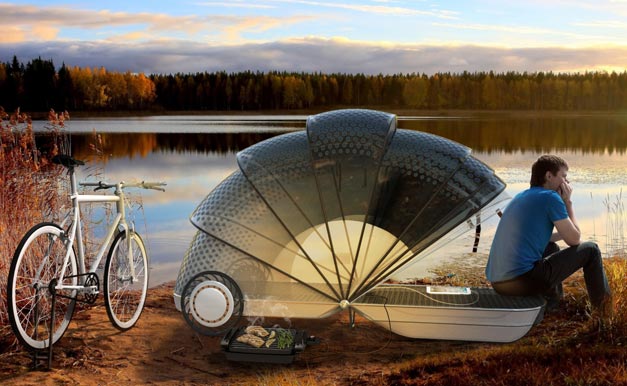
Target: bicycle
47,277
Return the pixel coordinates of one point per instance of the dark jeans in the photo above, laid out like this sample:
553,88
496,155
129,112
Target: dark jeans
547,274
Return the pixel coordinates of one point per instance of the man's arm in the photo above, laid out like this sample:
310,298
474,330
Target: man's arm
567,229
555,236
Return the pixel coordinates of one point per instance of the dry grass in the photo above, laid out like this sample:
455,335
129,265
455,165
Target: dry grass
286,377
615,238
613,330
30,185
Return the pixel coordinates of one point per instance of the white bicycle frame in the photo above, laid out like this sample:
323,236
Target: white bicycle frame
76,233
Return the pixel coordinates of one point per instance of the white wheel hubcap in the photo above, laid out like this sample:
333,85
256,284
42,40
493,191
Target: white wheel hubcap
211,303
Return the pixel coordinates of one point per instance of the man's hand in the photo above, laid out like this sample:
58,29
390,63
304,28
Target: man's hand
565,191
567,228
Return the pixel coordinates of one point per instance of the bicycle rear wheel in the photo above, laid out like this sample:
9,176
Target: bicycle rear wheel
38,260
125,295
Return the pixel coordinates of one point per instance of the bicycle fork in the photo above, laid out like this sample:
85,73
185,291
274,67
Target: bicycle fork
128,231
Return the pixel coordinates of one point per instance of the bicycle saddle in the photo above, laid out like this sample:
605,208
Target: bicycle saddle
66,160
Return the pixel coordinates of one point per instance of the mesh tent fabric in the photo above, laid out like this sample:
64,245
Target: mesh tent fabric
336,209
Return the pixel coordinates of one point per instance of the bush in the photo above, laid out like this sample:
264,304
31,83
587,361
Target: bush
31,187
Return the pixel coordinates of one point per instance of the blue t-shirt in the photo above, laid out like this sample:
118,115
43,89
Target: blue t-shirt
524,232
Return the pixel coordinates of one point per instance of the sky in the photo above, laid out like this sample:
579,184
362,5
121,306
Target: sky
329,36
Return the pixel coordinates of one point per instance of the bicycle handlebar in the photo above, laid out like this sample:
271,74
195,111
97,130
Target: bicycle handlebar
147,185
144,185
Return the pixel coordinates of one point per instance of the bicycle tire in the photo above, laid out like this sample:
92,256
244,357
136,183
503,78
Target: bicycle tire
124,297
36,262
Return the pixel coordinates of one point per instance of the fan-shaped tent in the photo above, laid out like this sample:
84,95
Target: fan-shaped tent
315,221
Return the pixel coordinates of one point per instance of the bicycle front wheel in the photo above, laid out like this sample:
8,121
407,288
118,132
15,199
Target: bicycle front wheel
125,293
37,261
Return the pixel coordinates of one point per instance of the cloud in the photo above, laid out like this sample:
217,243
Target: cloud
316,55
236,28
45,32
603,24
374,9
235,4
28,23
12,14
12,34
512,31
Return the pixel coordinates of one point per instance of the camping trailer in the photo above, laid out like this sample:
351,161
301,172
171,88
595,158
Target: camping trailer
315,222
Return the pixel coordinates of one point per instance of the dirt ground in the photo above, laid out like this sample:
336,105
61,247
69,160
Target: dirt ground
162,349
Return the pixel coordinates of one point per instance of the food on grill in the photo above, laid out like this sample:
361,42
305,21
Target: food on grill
285,339
237,347
251,340
272,334
257,330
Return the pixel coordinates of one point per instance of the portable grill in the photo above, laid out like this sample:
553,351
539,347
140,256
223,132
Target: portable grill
242,352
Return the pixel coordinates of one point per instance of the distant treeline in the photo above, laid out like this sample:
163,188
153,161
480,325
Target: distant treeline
38,86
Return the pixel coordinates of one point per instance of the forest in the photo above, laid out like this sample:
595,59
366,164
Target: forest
39,86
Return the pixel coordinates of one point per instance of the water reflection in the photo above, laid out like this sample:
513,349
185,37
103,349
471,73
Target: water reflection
131,145
585,134
130,137
187,124
199,151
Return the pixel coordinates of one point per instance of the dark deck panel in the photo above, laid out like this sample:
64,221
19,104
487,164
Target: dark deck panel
413,295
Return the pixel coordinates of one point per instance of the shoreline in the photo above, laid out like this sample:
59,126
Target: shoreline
399,112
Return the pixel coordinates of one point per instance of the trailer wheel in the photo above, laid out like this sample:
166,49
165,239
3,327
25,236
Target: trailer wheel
212,303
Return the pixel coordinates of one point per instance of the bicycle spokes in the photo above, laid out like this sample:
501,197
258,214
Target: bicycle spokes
124,292
37,263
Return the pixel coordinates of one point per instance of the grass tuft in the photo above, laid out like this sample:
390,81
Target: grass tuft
615,243
285,377
613,329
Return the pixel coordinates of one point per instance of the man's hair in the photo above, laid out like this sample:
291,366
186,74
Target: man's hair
546,163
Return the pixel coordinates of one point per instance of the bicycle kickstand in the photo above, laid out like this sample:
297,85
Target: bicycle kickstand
39,355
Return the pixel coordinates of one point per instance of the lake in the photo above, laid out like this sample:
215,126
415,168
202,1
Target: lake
193,153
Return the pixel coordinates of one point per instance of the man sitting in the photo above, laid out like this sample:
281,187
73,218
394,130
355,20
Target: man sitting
524,258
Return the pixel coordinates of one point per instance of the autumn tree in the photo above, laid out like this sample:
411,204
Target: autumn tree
415,92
